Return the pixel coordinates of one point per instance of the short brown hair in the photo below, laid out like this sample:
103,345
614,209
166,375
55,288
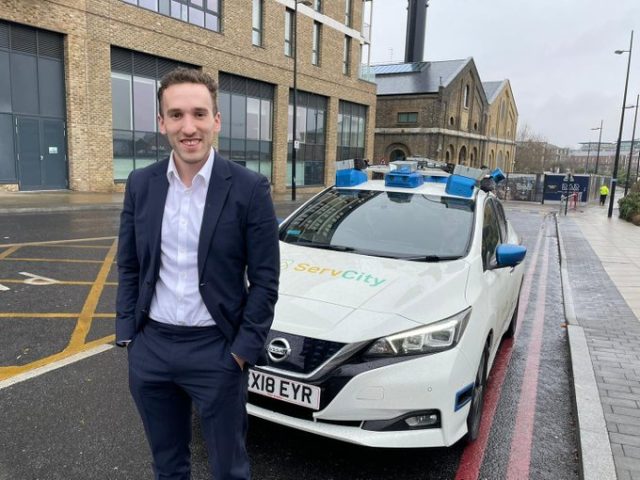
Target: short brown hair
189,75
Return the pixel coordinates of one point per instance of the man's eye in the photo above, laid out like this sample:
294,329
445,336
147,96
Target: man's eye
175,115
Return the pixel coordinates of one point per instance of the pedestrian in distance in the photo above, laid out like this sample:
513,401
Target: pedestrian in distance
604,191
198,269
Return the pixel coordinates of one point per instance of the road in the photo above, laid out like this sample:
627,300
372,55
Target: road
68,419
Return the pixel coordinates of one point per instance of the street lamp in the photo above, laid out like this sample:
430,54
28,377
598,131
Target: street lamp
633,136
614,178
296,144
599,142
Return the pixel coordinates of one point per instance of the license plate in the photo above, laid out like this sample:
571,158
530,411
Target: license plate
284,389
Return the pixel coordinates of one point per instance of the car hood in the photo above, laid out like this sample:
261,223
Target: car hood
346,297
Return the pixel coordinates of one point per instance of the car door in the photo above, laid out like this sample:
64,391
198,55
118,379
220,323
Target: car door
513,284
496,279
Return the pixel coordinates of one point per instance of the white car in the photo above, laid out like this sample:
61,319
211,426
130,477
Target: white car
393,301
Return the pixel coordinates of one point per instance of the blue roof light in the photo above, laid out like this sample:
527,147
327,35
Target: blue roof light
497,175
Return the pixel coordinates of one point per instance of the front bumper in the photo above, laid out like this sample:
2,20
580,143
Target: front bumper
426,383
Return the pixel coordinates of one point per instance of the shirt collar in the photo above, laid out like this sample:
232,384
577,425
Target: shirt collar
204,173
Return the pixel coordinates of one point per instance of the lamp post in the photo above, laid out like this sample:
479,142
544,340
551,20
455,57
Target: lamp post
614,178
633,136
294,150
599,142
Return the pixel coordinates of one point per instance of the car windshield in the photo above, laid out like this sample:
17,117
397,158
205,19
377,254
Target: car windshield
386,224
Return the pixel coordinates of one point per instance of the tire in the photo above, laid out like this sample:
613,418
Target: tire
477,398
511,331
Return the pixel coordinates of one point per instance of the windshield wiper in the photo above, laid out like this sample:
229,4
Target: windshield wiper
433,258
324,246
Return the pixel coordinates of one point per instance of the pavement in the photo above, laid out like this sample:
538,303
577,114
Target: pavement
600,271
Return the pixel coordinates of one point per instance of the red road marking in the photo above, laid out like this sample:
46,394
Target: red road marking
522,439
471,460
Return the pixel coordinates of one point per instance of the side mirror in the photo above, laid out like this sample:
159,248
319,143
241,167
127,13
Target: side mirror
509,255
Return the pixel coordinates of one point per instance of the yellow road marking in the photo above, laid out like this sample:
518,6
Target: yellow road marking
8,252
71,246
83,326
6,372
49,242
52,315
59,282
63,260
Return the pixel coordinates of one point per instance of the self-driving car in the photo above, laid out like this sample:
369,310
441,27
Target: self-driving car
394,297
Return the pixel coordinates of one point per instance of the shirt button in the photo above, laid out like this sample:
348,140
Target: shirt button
183,222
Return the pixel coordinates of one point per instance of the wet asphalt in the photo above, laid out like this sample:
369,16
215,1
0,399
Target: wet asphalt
78,422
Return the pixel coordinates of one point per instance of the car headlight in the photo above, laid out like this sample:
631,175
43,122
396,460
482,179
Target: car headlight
436,337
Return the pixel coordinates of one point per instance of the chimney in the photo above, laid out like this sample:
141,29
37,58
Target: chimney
416,28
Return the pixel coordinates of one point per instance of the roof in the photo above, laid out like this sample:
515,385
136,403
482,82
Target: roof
492,89
419,77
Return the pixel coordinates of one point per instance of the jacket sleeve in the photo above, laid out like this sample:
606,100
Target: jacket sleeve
128,268
263,274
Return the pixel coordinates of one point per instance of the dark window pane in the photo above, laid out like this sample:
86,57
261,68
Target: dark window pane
51,87
7,159
121,101
122,144
24,84
5,83
224,104
145,145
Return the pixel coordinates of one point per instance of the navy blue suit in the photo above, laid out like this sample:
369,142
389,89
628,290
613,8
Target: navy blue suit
170,367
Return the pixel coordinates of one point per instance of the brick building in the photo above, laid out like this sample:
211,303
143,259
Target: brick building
78,82
443,111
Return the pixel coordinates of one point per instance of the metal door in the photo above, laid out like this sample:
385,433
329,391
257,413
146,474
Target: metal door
42,159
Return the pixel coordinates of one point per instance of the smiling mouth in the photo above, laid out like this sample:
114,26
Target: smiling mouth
190,142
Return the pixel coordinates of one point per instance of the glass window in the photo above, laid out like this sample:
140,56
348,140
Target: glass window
204,13
253,118
257,22
144,94
347,13
407,117
288,32
315,51
466,96
317,5
121,101
310,156
490,235
401,225
351,131
245,136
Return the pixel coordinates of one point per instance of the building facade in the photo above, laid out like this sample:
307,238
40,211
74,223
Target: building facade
441,110
78,81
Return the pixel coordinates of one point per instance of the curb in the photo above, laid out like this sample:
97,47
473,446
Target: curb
61,208
596,457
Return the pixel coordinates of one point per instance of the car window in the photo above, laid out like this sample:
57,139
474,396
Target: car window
396,224
490,235
502,220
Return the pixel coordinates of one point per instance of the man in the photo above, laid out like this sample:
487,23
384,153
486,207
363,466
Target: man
198,265
604,191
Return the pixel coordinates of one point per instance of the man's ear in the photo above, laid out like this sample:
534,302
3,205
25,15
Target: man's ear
161,125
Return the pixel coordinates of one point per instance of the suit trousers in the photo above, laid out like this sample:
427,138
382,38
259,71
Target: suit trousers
171,369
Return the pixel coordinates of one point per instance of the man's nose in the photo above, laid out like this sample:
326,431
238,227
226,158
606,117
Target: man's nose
188,125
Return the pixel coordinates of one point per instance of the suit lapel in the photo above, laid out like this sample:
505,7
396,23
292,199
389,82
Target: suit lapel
158,187
219,186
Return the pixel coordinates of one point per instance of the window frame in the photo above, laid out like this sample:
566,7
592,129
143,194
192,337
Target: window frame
346,56
289,18
316,43
407,119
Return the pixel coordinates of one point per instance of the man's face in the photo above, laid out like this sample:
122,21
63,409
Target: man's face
188,121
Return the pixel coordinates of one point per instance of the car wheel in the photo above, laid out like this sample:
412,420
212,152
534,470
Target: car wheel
477,398
511,331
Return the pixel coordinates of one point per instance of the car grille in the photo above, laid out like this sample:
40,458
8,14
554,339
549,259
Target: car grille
306,355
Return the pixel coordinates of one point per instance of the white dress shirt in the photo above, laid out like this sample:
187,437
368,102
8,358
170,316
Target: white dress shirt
177,299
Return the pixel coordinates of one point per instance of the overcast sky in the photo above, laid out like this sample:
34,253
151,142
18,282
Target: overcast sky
558,55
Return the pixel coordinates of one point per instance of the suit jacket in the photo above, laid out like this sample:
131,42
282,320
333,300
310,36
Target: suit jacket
238,253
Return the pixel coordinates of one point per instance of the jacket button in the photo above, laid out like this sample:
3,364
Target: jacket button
203,284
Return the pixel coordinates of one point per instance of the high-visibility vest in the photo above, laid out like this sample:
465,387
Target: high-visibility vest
604,190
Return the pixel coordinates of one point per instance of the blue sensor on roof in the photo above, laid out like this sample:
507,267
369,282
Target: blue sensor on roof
404,180
497,175
460,186
350,177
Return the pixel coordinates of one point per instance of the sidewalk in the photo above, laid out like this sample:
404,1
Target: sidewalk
66,200
601,288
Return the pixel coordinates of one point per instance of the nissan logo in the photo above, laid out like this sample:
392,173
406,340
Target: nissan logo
278,349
